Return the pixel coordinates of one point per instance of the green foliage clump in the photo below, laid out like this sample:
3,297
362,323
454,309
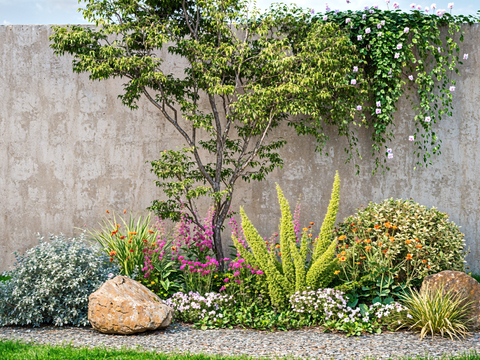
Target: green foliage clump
124,241
295,272
435,311
386,247
51,283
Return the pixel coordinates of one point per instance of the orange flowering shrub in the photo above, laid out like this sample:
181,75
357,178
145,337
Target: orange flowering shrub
397,242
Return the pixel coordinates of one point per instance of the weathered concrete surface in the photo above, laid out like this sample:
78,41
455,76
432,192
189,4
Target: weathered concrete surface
69,150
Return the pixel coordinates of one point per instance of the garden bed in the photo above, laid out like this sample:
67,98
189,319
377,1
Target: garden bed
308,343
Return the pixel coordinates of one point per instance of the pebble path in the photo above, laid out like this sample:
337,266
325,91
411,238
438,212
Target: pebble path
306,344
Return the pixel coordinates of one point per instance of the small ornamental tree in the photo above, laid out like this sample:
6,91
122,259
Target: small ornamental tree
247,69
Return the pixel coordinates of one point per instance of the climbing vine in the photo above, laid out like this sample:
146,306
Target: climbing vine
415,51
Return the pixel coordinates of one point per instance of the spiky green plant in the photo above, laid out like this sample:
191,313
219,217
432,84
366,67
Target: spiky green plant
296,272
436,311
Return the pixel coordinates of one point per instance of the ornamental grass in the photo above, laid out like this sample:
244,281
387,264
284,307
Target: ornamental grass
434,311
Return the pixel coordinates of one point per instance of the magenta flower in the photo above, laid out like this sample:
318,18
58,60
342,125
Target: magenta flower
411,138
452,88
465,56
348,1
353,82
359,107
355,68
378,111
410,77
226,279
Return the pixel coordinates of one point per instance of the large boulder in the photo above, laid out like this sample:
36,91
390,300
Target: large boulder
458,283
124,306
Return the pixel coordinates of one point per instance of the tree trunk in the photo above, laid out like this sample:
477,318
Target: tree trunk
217,239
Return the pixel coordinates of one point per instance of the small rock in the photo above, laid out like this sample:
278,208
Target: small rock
124,306
457,282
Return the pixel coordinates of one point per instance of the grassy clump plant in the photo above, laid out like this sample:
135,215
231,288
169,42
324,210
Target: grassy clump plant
435,311
124,240
295,272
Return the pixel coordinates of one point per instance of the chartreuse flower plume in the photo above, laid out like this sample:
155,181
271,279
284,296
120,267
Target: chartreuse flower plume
295,272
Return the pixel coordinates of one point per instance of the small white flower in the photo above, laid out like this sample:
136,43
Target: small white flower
411,138
465,56
428,119
388,151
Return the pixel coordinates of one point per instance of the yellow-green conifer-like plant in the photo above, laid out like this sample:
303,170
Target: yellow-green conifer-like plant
296,271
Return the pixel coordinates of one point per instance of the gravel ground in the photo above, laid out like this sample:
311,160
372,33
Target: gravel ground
309,343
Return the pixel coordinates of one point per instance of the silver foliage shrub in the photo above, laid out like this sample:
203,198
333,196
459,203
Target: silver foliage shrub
51,283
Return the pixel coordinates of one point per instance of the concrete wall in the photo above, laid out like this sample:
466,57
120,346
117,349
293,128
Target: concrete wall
69,150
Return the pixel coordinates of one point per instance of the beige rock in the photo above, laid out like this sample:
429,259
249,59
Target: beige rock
124,306
457,282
